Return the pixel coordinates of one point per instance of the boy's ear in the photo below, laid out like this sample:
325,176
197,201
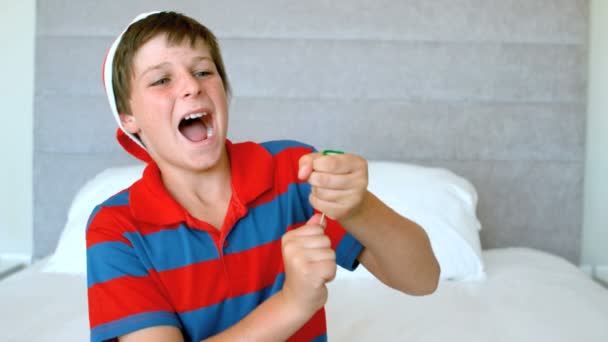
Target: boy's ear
129,123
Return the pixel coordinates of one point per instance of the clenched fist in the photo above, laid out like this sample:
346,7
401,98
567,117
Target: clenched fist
309,264
339,183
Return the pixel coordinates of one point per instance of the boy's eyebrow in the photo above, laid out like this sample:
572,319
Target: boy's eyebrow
161,65
154,67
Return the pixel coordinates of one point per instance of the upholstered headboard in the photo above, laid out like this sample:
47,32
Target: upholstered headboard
494,90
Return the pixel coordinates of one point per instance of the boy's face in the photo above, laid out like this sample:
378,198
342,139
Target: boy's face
178,103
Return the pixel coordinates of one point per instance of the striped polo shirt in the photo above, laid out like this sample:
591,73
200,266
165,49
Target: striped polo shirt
150,263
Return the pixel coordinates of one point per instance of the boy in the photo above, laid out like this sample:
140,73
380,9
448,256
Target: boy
220,240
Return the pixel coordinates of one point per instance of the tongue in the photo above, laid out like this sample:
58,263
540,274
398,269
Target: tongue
195,131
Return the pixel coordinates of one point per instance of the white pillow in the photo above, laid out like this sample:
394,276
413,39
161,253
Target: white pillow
443,204
70,254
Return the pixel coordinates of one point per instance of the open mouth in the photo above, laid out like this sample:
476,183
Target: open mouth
196,127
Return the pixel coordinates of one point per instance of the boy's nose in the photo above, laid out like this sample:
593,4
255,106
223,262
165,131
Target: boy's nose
191,86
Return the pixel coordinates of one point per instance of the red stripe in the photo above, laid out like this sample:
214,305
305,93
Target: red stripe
255,269
335,232
196,286
207,283
122,297
108,225
315,327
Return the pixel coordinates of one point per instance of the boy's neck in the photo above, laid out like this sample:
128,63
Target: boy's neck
204,195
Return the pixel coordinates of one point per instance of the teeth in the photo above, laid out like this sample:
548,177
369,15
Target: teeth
209,132
195,116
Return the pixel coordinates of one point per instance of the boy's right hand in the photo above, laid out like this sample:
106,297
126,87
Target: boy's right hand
309,263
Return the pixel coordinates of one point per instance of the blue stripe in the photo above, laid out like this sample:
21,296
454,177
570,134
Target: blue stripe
214,319
173,248
269,221
322,338
111,260
347,251
116,200
276,146
133,323
119,199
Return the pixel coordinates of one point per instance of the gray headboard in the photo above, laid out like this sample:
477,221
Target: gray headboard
494,90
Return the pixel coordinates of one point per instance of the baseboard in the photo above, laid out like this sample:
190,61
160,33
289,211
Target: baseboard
601,274
598,273
11,263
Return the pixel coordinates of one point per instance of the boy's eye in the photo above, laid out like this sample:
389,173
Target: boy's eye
201,74
161,81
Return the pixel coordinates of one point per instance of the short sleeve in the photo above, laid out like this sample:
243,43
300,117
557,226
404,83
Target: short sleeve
347,247
123,295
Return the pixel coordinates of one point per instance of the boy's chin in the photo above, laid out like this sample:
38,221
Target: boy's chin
204,162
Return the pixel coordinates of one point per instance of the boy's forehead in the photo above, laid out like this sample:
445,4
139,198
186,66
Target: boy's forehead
159,48
161,41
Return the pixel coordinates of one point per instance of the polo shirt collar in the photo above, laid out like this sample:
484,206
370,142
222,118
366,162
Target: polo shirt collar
251,175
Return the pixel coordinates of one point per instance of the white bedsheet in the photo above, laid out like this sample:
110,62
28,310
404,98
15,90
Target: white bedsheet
527,296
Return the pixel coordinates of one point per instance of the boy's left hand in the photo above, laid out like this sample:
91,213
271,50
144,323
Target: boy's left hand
339,183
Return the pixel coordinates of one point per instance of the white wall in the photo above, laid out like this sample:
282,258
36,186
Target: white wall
17,33
595,217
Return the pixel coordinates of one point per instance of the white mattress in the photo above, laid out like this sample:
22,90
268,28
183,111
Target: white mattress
527,296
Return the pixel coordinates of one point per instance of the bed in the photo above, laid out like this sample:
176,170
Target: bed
476,108
527,295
